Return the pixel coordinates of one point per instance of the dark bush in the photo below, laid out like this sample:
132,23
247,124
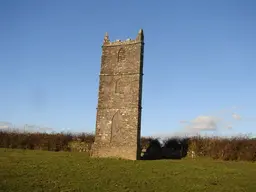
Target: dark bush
154,150
145,141
174,148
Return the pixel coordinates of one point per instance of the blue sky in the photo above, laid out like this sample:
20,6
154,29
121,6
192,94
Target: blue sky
199,65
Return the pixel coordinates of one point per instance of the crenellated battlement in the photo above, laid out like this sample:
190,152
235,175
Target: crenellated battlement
139,39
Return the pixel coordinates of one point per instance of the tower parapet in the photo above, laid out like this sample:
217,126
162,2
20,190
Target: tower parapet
139,39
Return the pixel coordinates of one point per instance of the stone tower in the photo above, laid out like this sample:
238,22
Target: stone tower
118,123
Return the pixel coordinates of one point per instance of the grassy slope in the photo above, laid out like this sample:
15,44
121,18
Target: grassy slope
63,171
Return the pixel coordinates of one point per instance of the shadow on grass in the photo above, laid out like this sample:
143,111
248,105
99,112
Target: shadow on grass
172,148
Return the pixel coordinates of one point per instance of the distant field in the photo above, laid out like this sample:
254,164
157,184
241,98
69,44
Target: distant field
25,170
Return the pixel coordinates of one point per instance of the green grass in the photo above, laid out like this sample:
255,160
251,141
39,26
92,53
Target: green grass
24,170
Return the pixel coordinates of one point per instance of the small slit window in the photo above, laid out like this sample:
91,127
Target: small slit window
121,55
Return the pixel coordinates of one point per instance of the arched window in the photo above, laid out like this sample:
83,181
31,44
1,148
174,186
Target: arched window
121,55
115,127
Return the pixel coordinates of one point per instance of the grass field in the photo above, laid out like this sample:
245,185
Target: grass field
25,170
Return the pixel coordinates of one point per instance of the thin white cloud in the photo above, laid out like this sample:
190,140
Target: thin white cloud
229,126
5,125
214,123
36,128
203,123
26,127
236,116
184,121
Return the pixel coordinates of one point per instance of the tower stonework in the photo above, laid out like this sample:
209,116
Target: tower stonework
118,121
